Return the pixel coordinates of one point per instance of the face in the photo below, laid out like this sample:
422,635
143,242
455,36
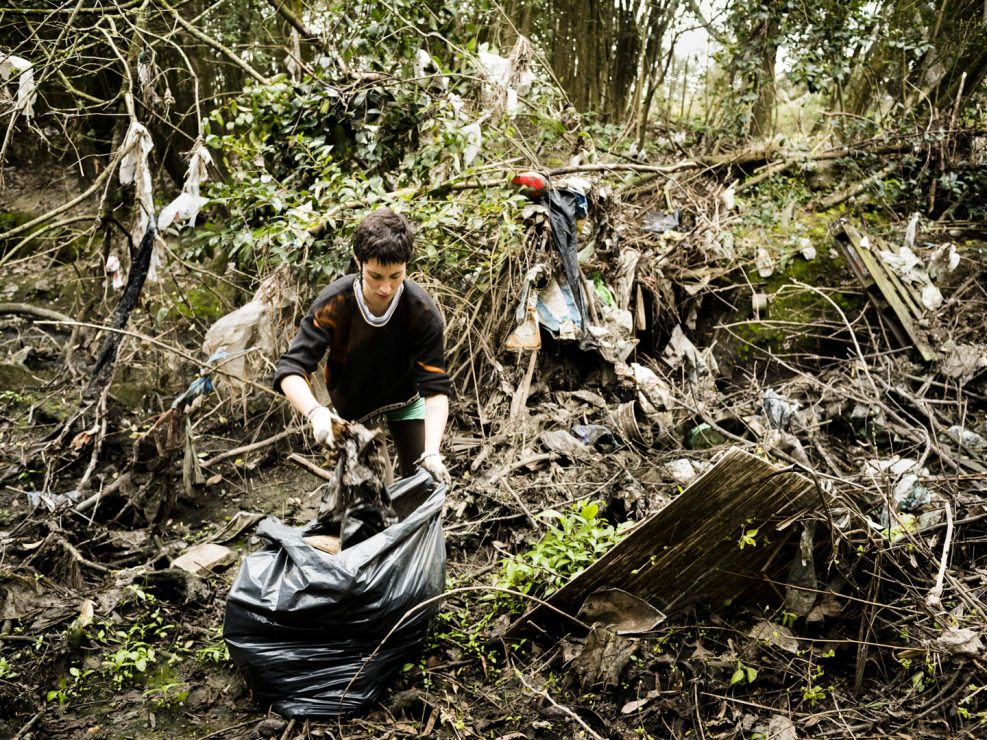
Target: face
380,282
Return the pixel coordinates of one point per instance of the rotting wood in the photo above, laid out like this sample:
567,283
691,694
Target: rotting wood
689,552
871,271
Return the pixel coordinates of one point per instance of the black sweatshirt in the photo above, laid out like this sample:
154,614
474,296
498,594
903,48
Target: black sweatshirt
370,369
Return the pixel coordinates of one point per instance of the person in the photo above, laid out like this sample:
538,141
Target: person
383,340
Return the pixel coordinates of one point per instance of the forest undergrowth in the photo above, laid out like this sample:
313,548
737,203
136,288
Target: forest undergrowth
816,300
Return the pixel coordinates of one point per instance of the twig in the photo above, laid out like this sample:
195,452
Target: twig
248,448
311,467
112,487
858,187
214,367
529,460
935,595
225,730
210,41
30,723
527,512
97,183
561,707
12,251
29,310
695,706
288,729
80,559
100,427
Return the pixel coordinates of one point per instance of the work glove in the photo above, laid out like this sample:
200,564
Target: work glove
320,421
432,462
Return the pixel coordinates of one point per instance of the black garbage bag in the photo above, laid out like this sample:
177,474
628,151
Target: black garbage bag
305,626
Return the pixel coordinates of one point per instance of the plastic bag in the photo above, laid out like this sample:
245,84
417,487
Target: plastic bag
305,626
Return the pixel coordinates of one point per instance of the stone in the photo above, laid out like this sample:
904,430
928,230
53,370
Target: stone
204,557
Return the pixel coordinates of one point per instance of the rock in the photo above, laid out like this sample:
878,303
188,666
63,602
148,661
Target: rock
205,557
270,727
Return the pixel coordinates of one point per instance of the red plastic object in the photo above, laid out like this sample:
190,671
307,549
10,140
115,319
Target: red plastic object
531,184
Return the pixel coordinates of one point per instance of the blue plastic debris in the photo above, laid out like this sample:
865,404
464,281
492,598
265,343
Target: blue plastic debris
204,384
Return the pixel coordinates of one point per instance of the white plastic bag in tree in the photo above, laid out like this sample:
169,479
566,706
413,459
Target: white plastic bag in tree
26,89
425,67
137,145
187,205
507,78
474,142
135,170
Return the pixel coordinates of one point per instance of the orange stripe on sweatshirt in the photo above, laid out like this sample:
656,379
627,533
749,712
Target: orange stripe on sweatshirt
430,368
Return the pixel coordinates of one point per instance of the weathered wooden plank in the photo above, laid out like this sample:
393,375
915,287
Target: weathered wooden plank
689,552
889,291
909,293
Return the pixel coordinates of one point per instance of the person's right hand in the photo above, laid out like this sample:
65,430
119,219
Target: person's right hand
320,421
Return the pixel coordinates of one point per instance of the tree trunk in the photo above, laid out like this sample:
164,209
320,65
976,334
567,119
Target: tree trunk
766,43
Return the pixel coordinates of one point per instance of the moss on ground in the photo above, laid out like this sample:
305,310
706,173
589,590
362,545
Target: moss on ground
786,326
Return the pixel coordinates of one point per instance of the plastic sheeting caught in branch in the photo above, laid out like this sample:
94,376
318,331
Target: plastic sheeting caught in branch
187,205
507,78
135,170
26,89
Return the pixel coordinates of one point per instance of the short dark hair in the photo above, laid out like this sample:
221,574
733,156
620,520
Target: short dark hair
386,235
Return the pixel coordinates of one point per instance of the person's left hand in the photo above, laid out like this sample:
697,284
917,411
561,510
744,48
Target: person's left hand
432,462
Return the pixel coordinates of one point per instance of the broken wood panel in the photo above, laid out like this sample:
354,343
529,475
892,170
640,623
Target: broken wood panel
895,295
690,551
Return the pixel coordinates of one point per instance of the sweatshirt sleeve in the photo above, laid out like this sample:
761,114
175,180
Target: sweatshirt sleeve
307,348
429,360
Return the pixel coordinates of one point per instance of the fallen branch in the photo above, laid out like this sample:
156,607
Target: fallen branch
29,310
206,368
97,183
855,189
311,467
110,488
524,461
12,252
225,732
248,448
30,723
562,708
